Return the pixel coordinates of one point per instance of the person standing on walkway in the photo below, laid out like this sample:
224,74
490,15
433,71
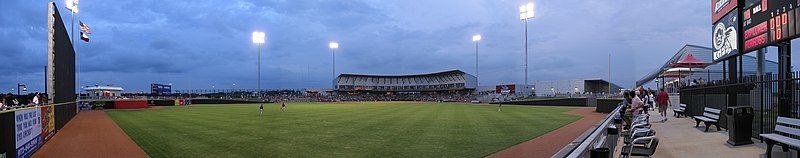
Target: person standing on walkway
662,99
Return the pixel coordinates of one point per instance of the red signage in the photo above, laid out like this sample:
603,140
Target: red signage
755,36
720,8
509,89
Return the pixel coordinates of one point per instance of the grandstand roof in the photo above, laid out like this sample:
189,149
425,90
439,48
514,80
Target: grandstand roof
406,75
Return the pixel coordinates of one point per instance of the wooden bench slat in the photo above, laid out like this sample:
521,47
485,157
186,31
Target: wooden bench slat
711,116
712,110
782,139
787,130
789,121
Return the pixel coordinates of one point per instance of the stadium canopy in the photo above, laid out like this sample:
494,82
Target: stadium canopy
695,51
689,62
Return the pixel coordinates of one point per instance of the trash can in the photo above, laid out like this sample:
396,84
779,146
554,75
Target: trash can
600,153
740,125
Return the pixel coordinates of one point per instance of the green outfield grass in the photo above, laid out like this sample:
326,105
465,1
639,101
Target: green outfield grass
379,129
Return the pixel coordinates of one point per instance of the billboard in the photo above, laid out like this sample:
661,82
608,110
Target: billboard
505,89
28,131
720,8
48,122
160,89
725,37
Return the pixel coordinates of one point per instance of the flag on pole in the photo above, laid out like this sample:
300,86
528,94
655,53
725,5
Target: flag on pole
85,28
85,37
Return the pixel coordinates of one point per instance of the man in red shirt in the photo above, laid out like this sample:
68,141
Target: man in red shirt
662,99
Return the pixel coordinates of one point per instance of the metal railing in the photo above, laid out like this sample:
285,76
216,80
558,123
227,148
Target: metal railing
593,138
759,92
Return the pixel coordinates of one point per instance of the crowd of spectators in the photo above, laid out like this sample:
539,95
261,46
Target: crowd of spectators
432,97
10,101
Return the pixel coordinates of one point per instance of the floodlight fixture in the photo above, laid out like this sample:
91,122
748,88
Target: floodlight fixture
259,37
333,45
527,11
476,38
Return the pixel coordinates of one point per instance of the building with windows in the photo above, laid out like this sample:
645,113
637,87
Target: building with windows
575,87
103,91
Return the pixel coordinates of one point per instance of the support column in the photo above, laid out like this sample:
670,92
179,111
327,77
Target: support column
784,73
732,79
760,61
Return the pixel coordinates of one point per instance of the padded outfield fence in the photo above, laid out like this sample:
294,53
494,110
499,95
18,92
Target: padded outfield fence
25,130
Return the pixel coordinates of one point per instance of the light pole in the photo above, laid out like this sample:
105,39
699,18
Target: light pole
476,39
526,12
258,39
334,45
72,6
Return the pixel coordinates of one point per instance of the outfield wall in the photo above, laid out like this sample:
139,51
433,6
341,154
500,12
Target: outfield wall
23,131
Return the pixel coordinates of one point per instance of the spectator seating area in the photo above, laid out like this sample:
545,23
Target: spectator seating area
680,111
639,139
786,135
710,117
440,81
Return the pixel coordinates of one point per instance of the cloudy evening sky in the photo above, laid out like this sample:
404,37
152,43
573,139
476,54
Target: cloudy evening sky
200,43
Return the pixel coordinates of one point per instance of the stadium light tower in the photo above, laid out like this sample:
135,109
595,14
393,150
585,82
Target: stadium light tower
476,39
526,12
258,39
334,45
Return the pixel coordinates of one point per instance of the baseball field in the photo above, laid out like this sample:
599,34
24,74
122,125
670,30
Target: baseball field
369,129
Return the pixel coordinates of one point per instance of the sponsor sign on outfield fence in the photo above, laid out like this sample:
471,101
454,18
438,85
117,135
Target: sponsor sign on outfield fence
28,128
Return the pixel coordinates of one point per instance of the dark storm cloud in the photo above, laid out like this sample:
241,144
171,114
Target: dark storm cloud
196,44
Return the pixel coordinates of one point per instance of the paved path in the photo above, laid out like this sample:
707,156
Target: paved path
549,144
679,138
91,134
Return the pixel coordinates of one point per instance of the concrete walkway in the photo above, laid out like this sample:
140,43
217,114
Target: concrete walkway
679,138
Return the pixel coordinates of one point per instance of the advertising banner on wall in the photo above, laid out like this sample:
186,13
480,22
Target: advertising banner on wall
720,8
725,37
28,128
505,89
48,122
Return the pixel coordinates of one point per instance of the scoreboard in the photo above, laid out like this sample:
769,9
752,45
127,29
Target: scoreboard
767,22
160,89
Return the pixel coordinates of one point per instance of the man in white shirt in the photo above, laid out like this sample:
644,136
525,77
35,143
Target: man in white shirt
35,100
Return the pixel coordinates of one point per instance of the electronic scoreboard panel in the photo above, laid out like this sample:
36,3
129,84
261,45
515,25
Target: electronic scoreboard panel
767,22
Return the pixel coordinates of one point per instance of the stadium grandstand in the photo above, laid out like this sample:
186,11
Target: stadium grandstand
454,80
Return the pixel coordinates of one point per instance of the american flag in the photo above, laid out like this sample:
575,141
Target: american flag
85,28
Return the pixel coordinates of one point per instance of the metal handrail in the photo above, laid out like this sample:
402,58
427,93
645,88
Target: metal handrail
589,140
37,106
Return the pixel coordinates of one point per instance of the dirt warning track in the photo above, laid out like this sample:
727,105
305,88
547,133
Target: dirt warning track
91,134
548,144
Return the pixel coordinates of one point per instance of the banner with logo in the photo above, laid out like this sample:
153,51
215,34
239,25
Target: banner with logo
720,8
48,121
505,89
725,40
28,128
